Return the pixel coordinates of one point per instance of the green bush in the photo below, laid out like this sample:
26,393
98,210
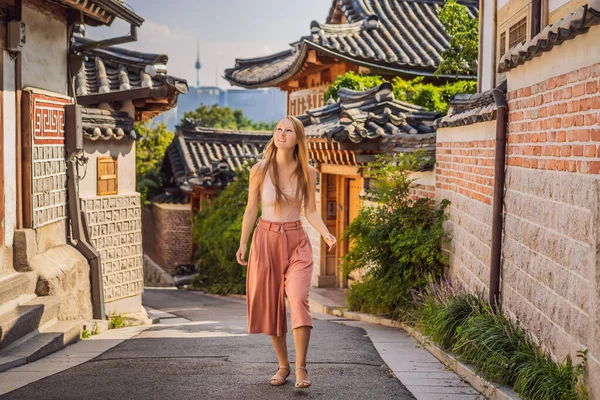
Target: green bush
217,231
397,241
430,96
427,95
351,80
498,347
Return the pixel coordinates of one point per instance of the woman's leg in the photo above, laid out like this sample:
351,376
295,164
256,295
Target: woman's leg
280,346
301,340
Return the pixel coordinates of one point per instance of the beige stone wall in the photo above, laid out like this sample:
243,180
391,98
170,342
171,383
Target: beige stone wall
115,230
168,234
551,274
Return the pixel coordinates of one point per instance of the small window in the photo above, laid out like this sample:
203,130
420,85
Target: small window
108,176
502,44
517,33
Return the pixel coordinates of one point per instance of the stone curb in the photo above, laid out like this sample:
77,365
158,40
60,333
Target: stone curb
489,390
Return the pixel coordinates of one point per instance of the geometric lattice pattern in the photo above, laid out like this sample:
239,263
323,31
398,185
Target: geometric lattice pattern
49,189
115,230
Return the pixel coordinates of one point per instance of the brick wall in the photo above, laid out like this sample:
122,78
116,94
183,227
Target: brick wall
550,268
550,244
464,175
422,191
167,234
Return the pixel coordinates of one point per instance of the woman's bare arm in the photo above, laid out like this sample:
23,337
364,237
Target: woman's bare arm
310,210
250,214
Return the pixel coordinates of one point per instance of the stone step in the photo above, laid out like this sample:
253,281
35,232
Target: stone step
49,340
17,284
25,318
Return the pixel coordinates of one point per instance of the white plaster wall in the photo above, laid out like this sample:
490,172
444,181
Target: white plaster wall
10,162
468,133
123,150
556,4
488,46
568,57
45,53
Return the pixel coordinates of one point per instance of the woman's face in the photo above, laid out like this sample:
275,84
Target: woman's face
285,135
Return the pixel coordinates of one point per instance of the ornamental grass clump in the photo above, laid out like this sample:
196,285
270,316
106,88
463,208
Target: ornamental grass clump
442,313
217,231
496,346
396,241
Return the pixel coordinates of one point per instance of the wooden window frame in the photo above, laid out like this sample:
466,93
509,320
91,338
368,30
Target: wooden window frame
524,22
115,176
502,44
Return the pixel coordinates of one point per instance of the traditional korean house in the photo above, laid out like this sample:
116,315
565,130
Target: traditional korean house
198,164
70,237
390,38
520,163
343,137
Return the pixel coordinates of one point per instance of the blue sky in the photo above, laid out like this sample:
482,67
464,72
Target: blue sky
225,29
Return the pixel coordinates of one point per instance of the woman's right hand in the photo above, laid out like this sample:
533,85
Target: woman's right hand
241,253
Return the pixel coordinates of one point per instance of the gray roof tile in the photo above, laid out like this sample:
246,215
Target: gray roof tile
373,114
399,36
208,157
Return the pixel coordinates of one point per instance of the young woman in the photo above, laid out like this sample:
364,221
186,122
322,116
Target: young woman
280,259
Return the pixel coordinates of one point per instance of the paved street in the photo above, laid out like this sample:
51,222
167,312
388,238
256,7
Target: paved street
206,354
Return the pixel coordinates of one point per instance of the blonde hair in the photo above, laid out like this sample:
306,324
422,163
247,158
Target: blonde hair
269,163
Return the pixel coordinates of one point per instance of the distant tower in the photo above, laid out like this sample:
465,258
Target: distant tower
198,66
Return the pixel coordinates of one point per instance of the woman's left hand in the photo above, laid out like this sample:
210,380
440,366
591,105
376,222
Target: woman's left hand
330,240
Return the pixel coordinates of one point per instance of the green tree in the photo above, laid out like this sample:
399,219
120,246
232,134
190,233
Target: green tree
463,35
217,231
226,118
354,81
149,154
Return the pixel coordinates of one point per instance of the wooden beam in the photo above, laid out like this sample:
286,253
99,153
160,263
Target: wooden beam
311,58
333,169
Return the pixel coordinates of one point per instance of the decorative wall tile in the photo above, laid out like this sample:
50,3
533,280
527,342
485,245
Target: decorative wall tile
115,230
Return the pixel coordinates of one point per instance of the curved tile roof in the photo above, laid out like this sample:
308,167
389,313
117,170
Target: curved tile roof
574,24
208,157
114,70
467,109
107,125
371,114
394,36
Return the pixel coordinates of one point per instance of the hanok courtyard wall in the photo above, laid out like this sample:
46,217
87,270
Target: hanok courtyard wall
550,264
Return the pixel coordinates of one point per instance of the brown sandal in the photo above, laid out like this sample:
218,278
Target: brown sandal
276,380
301,383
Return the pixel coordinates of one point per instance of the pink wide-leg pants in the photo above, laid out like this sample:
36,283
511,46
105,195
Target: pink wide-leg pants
280,263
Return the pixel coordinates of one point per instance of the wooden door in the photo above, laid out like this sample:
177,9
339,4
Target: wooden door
354,203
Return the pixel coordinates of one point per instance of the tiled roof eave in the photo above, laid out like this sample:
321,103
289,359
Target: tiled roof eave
274,81
162,91
574,24
387,68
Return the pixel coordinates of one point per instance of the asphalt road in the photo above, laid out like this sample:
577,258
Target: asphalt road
212,357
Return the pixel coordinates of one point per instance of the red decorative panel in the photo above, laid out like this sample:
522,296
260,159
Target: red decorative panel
48,119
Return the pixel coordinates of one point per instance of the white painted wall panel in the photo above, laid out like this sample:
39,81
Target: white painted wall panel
10,162
45,53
